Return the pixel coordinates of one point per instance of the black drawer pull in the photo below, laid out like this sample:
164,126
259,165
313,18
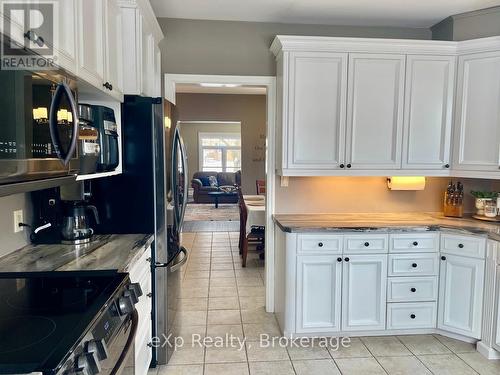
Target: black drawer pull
413,290
413,316
339,259
415,243
443,258
367,244
348,165
461,245
414,265
341,165
447,166
320,244
347,259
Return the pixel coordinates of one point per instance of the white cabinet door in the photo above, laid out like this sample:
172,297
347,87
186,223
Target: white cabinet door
477,118
65,50
114,62
364,281
316,110
319,286
461,295
497,339
428,111
147,60
375,111
132,54
91,41
157,75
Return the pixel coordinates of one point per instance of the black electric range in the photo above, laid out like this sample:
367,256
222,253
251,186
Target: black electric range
48,319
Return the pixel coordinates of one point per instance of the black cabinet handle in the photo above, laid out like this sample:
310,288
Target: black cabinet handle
415,243
348,165
443,258
367,244
320,244
413,290
413,316
347,259
447,166
341,165
339,259
461,245
414,265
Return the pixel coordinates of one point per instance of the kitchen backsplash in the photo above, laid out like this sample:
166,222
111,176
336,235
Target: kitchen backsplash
10,241
367,194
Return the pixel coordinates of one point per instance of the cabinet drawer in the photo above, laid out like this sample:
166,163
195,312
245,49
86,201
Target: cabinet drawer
411,289
413,265
414,242
319,243
469,246
366,243
411,315
142,352
144,306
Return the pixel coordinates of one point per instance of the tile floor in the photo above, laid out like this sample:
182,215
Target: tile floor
219,298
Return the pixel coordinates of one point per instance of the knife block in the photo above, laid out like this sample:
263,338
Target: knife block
451,208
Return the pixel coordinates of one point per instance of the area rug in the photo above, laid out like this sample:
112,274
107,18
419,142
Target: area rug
208,212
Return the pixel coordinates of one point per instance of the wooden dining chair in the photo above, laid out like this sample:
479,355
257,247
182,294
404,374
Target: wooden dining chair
261,187
256,235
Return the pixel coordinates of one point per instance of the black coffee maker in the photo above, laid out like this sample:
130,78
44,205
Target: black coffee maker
75,228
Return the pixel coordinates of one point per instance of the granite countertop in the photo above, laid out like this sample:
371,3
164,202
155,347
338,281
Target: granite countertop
296,223
104,252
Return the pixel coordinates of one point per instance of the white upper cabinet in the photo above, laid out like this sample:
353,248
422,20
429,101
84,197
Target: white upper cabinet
428,111
66,44
364,292
91,43
316,107
113,52
319,286
477,118
461,295
157,76
375,111
148,58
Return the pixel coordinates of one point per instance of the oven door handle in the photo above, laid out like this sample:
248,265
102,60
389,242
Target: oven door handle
129,345
63,89
175,267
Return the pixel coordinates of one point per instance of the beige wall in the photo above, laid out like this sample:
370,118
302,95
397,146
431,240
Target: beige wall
249,110
366,194
190,131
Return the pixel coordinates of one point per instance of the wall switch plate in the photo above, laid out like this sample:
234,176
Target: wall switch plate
18,218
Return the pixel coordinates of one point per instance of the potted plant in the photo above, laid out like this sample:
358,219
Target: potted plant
481,198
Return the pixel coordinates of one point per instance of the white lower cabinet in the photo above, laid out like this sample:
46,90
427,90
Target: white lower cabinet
411,315
319,285
461,295
496,344
364,283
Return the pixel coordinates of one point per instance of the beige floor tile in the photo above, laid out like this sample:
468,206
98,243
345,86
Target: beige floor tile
191,318
271,368
197,275
385,346
195,283
403,366
223,282
310,351
193,304
226,354
222,274
446,364
424,344
354,348
198,267
180,370
187,355
456,346
249,303
251,291
253,331
190,333
221,330
222,266
249,281
223,291
226,369
193,292
258,315
248,272
224,317
151,371
224,303
258,353
481,364
359,366
316,367
224,260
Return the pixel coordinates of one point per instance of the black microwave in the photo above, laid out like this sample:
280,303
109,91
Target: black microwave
38,126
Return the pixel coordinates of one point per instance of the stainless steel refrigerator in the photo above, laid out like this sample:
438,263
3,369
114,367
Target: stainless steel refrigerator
136,202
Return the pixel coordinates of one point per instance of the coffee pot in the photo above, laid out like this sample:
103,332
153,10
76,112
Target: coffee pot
75,227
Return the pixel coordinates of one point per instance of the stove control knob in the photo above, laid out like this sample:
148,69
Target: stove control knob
87,363
135,292
125,304
98,347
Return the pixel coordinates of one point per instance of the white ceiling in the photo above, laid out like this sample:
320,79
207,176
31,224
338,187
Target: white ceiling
239,90
405,13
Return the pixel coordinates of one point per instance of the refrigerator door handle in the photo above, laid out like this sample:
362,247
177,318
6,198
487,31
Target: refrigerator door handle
175,267
186,183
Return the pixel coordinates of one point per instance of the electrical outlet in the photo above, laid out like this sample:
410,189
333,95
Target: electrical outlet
18,218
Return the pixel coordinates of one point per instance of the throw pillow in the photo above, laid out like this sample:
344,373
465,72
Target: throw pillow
213,181
205,181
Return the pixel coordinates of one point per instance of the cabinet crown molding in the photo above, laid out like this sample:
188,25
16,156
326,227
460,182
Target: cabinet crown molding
289,43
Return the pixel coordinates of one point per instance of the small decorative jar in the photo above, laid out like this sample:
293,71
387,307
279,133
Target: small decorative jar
480,203
490,208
